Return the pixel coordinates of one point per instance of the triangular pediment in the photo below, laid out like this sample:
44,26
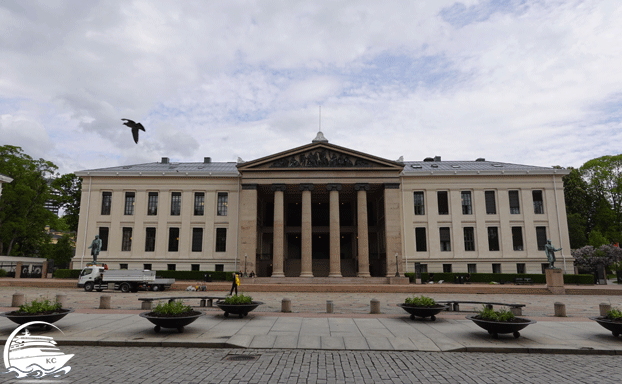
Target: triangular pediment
319,156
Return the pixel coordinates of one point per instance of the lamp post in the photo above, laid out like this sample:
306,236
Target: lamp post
397,267
245,258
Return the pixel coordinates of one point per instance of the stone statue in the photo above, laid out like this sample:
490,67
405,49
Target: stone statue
95,247
549,249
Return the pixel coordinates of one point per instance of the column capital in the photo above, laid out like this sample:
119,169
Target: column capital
249,186
333,187
361,187
279,187
306,187
391,185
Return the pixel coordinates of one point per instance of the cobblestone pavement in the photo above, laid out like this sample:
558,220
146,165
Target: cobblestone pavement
104,365
344,303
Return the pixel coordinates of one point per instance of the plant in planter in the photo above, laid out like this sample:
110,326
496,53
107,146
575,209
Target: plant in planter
171,315
36,310
422,307
501,321
239,305
612,321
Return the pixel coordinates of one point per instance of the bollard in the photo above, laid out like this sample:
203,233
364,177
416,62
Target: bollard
516,311
560,310
18,299
147,305
374,306
286,305
329,306
62,299
104,302
604,308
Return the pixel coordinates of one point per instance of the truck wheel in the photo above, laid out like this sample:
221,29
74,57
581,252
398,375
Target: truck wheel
125,287
88,286
156,288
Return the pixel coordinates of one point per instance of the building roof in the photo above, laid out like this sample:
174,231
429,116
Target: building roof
203,169
477,167
5,179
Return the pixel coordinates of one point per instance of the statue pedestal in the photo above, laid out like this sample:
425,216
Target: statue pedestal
555,281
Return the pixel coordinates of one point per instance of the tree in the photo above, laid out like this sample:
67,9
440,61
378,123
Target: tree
589,257
604,176
23,216
62,251
69,187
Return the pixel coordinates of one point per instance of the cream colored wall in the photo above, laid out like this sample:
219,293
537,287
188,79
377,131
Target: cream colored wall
91,219
480,221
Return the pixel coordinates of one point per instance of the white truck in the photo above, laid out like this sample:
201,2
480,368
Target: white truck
99,278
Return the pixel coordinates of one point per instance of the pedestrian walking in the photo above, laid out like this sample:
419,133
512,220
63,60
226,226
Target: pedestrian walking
234,286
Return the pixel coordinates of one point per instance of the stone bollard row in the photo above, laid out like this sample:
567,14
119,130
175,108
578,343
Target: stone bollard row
374,306
604,308
104,302
560,309
18,299
329,306
286,305
62,299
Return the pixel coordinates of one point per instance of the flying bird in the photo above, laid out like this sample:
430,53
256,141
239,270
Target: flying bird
135,127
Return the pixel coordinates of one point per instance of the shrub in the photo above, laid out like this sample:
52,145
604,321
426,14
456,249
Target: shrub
239,299
3,273
614,314
492,315
536,278
174,308
36,307
195,275
67,273
421,301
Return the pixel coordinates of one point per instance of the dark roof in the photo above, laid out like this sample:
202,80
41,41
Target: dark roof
166,169
412,168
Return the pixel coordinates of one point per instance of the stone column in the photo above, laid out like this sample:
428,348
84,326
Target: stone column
393,227
306,267
248,226
279,230
362,228
335,233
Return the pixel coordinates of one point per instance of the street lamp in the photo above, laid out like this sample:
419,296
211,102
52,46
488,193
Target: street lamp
397,267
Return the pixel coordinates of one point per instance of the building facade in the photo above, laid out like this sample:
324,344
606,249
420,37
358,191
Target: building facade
325,210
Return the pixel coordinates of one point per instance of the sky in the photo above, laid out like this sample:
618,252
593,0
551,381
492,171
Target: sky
528,82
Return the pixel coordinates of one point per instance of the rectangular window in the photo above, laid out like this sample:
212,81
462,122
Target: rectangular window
443,203
496,268
219,268
420,240
152,204
221,239
520,268
199,203
106,202
176,204
147,267
445,239
195,267
122,266
223,203
517,238
126,242
197,239
544,267
150,234
493,238
472,268
446,268
469,239
467,206
173,239
491,205
514,203
171,267
423,268
129,203
541,237
538,203
419,207
103,236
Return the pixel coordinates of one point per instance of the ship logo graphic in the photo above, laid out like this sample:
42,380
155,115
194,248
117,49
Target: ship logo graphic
34,356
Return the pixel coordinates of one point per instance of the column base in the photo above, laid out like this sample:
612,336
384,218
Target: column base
278,275
306,274
360,274
334,275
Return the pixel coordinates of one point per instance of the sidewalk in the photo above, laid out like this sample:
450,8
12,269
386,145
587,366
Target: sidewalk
451,332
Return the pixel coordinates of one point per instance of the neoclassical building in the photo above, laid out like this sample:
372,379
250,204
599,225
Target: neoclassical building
325,210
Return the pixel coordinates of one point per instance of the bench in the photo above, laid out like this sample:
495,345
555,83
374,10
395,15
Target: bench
454,305
522,280
205,301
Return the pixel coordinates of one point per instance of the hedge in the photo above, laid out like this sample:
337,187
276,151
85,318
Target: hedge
536,278
177,275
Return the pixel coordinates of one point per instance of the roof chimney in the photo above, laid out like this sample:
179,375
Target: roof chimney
165,160
437,158
207,160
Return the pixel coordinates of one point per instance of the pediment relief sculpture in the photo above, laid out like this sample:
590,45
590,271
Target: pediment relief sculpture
320,159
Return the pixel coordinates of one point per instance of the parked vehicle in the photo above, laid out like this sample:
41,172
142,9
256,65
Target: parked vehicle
95,277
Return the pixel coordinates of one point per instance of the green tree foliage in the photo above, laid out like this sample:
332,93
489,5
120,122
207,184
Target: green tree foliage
62,251
23,216
604,176
70,188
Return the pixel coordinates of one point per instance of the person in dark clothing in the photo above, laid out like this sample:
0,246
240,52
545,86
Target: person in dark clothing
234,286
